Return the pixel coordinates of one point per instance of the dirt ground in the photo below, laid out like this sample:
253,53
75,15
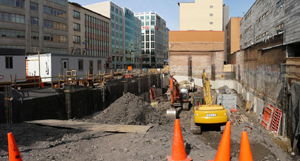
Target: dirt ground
55,144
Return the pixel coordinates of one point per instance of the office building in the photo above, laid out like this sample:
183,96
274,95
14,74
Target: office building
154,39
88,32
124,48
36,25
232,37
203,15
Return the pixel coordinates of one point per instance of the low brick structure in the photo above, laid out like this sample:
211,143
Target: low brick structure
193,51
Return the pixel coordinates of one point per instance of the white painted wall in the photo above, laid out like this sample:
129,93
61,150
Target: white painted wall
19,68
52,65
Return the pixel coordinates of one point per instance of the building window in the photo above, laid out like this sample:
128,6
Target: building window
62,2
211,14
76,26
99,64
76,14
14,3
34,21
34,49
12,33
55,12
12,17
55,50
55,25
211,6
9,62
35,35
280,27
34,6
76,39
279,3
112,8
211,23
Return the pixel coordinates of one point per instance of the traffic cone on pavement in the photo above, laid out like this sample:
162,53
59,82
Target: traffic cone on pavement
13,151
223,153
178,150
245,151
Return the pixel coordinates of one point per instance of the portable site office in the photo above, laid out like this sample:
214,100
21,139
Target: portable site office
52,65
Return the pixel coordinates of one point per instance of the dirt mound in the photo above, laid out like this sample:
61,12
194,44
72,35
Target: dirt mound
129,110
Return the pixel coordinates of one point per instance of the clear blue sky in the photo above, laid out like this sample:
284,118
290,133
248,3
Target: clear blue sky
169,9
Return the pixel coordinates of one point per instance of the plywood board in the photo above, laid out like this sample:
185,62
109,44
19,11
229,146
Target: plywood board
92,126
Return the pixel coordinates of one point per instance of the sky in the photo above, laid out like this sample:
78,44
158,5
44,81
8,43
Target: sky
169,9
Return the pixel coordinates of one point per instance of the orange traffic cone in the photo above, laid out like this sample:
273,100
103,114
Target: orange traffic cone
245,151
13,151
178,150
223,153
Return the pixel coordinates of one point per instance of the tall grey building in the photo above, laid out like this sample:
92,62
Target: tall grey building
34,25
154,39
125,49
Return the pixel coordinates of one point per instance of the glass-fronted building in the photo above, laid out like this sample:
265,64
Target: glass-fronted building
125,35
132,37
154,38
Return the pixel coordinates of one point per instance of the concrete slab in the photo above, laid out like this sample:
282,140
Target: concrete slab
92,126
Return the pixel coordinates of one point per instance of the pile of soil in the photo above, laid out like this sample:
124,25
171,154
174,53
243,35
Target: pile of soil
130,110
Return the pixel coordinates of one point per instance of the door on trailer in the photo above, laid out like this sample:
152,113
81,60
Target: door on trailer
64,66
91,67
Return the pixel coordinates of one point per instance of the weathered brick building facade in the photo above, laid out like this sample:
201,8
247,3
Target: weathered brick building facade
193,51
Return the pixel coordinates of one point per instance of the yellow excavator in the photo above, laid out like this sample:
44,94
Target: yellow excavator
205,112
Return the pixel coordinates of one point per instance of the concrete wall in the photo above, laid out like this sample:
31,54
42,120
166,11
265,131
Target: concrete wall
49,103
196,15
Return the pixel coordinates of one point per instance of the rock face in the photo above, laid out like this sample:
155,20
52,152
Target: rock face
129,110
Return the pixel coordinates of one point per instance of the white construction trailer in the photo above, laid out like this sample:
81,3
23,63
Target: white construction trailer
12,64
52,65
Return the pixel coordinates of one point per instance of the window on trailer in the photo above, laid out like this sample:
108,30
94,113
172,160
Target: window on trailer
99,65
80,65
9,62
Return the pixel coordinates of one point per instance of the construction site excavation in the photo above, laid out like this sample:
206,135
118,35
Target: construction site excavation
136,115
100,82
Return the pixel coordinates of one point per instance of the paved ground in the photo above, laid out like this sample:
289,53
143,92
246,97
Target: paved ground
46,143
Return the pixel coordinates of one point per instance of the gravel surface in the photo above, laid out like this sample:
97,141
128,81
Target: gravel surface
55,144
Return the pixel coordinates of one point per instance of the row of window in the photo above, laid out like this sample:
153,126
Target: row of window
258,3
96,31
55,38
62,2
80,65
14,3
55,50
116,58
96,21
10,17
248,29
262,17
55,25
12,33
116,10
248,14
262,35
55,12
280,26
